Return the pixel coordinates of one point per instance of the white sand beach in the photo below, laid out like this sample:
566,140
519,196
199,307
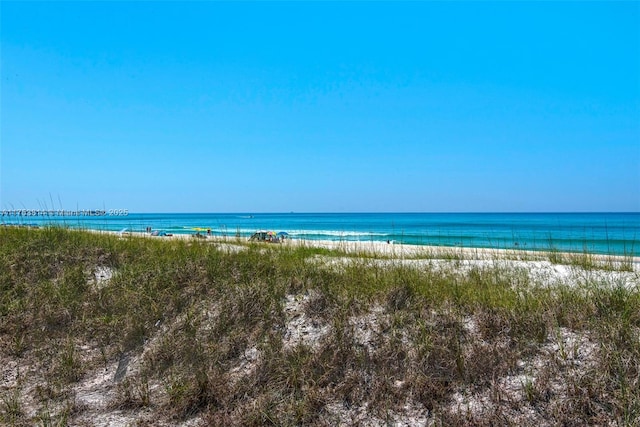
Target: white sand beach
404,251
542,268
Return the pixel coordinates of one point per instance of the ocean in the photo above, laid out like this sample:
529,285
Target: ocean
601,233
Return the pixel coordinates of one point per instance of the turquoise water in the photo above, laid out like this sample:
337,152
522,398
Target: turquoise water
607,233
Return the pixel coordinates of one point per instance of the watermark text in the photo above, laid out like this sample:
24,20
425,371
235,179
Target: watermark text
64,212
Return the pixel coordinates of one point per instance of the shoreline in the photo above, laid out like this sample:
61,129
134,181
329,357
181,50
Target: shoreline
405,250
603,234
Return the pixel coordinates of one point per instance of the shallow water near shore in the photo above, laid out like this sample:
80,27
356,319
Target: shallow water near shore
601,233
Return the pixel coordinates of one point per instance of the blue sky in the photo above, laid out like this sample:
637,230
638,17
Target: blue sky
321,107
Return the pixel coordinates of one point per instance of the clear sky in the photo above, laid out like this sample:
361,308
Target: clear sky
321,107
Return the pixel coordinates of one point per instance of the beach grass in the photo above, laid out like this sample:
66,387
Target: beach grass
97,328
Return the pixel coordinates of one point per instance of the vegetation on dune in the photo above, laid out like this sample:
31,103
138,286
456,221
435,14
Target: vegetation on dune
265,335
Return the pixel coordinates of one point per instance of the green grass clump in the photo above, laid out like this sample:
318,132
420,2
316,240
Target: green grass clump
200,331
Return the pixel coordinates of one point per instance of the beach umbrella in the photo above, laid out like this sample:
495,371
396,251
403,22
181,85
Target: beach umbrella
283,233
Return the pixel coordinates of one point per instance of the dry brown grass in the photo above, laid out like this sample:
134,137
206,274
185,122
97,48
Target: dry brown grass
97,330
